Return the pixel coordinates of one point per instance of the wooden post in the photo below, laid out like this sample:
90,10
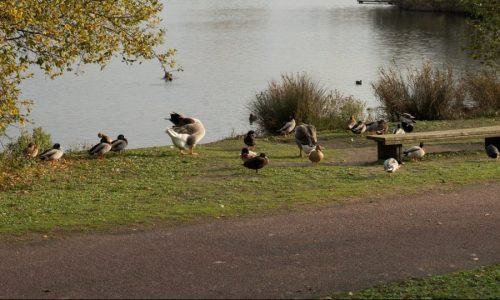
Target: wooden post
388,151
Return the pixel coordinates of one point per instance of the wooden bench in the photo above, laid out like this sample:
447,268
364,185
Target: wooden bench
391,145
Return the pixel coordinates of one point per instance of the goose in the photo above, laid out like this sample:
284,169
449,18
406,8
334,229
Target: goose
352,122
257,162
247,154
101,148
359,128
398,130
391,165
287,127
305,138
186,133
492,151
119,144
252,118
249,139
52,154
415,152
316,155
31,151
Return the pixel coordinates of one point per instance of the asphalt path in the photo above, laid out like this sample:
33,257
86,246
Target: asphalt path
305,254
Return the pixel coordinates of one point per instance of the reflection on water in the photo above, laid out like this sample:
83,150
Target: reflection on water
229,50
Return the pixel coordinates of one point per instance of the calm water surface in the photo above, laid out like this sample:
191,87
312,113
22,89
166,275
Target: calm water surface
230,50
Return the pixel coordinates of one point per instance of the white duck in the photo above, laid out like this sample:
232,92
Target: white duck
185,133
287,127
391,165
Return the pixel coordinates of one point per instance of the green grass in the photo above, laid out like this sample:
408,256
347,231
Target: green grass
157,185
483,283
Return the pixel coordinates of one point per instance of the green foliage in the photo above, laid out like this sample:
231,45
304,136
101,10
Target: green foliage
299,96
482,283
60,36
429,93
486,34
13,156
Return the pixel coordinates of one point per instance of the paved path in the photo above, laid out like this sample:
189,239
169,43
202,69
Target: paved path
297,255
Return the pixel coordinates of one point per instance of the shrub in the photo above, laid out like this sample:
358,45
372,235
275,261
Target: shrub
13,157
483,89
299,96
429,93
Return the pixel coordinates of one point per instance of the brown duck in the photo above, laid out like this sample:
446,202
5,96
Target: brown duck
257,162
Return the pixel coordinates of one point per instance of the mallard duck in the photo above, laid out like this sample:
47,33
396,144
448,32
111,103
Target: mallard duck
257,162
316,155
119,144
359,82
105,137
415,152
305,138
359,128
287,127
252,118
101,148
407,121
52,154
398,130
391,165
380,126
247,154
351,123
492,151
249,139
186,133
31,151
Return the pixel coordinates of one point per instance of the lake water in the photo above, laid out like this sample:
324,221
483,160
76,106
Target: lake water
230,50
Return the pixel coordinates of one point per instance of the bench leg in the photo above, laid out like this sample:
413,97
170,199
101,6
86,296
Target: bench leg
492,140
388,151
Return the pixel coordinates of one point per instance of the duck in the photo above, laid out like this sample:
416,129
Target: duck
391,165
249,139
316,155
252,118
105,137
52,154
492,151
101,148
119,144
305,138
398,130
415,152
256,163
407,121
31,151
359,82
186,133
246,154
380,126
287,127
351,123
359,128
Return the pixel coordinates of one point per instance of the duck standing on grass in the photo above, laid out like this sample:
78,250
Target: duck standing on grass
287,127
492,151
52,154
101,148
316,155
31,151
415,152
249,139
391,165
119,144
186,132
407,121
247,154
257,162
305,138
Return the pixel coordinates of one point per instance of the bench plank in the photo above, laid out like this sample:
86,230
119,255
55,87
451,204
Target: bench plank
466,133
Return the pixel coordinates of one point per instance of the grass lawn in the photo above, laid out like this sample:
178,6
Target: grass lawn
157,185
483,283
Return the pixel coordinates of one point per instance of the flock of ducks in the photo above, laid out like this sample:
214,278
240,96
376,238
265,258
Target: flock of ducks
187,132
